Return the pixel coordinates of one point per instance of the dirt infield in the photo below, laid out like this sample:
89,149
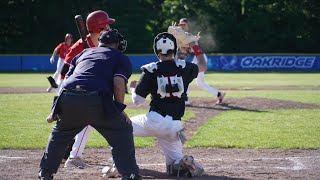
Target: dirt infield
218,163
222,164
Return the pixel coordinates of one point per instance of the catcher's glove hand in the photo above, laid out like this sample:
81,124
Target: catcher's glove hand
183,38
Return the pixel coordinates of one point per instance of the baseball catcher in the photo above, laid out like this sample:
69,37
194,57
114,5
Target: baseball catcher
186,48
166,81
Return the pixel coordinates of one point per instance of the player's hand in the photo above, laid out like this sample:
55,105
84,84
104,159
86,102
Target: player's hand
133,84
52,60
51,118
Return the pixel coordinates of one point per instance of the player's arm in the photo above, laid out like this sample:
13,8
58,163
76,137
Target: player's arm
72,53
55,52
71,68
202,64
141,89
122,74
119,89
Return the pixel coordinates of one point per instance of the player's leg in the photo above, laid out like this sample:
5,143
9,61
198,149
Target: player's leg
123,152
59,68
74,159
176,162
60,63
204,86
139,124
56,148
72,120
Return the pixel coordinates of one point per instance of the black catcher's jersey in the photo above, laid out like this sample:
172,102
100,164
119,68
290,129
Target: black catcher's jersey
167,82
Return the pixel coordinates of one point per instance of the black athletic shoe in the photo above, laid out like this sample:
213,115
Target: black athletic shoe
52,82
132,177
45,176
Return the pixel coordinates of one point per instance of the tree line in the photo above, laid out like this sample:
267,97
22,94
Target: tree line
226,26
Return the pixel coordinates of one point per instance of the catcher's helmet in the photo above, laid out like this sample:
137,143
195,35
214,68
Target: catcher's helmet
97,21
165,43
113,36
68,35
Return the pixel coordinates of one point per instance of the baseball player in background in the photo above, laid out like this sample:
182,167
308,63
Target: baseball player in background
184,52
62,49
96,22
167,82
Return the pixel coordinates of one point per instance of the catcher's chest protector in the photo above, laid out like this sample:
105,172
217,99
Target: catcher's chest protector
169,79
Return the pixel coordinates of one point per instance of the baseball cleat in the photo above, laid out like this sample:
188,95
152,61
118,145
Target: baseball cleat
75,163
110,171
220,97
195,168
52,82
132,177
45,176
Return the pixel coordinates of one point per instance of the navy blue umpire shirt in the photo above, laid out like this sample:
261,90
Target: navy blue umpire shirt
94,69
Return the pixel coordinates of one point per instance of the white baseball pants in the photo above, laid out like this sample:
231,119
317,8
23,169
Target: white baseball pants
204,86
59,68
80,142
164,129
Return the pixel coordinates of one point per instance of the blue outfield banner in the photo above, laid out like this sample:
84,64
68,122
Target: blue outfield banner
264,63
227,63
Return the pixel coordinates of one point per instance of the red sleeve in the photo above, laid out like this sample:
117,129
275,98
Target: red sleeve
58,48
74,51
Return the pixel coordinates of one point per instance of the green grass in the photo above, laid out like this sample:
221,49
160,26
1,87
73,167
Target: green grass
214,79
305,96
23,124
273,129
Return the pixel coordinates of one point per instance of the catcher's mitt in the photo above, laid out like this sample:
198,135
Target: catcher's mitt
183,38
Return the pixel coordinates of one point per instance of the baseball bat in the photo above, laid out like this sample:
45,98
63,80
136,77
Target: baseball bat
82,30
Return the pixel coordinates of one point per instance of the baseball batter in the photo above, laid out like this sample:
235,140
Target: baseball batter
96,22
62,49
187,51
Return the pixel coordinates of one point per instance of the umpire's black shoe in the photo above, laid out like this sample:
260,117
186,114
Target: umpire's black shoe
132,177
45,176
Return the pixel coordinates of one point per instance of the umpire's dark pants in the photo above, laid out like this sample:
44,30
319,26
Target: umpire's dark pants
77,110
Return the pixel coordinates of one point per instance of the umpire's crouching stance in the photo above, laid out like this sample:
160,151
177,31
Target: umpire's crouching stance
93,95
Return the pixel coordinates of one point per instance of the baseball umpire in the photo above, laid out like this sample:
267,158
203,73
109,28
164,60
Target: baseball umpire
93,94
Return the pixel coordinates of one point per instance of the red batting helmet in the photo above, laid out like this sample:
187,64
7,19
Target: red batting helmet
97,21
68,35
